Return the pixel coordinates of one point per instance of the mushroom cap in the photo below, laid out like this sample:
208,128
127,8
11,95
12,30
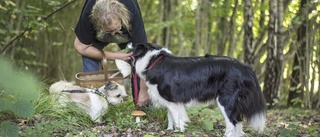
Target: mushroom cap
138,113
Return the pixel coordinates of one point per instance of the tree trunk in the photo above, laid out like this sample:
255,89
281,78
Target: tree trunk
222,30
169,12
280,46
161,9
201,30
271,79
197,28
318,64
180,31
232,29
248,33
262,15
299,76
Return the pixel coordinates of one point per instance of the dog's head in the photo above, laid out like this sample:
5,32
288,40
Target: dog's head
142,49
143,52
114,92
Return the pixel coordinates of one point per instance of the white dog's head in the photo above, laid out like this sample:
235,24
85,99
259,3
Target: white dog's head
114,92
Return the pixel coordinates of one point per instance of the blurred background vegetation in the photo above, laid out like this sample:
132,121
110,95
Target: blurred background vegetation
279,38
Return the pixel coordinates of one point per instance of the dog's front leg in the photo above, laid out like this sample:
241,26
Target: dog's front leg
183,117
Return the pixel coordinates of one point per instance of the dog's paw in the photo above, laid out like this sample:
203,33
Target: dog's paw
169,128
242,134
179,130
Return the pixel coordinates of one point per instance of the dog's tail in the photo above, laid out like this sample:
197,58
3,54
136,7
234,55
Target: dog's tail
258,121
55,88
59,86
253,103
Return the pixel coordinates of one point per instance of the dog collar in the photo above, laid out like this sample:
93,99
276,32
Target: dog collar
159,57
96,91
132,60
74,91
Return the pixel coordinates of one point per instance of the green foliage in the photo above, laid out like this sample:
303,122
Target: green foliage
9,129
290,131
17,92
17,84
49,128
29,35
23,108
206,117
122,110
69,121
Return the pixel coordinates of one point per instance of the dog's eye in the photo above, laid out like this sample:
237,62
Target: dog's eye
118,96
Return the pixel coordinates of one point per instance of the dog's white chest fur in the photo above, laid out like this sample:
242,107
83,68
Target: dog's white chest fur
154,95
98,106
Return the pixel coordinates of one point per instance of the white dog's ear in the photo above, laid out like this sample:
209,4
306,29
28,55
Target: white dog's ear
110,85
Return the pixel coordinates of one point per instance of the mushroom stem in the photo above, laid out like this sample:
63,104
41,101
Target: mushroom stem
137,119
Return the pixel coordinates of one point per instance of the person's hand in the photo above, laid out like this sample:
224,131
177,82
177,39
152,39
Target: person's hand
117,55
143,99
123,56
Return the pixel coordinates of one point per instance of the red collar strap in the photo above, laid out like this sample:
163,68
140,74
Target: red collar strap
132,58
159,57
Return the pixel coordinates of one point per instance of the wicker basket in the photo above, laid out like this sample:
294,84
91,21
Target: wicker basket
97,79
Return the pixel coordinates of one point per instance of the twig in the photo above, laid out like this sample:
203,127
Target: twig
15,38
65,5
29,29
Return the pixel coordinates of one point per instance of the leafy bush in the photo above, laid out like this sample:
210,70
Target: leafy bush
18,90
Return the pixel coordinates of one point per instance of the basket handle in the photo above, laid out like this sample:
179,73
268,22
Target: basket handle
104,63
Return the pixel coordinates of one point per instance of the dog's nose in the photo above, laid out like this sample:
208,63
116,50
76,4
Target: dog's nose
125,97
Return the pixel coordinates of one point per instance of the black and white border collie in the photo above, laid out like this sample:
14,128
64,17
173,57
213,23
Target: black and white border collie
178,82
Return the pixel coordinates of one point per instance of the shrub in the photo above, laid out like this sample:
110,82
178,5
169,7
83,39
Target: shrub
18,91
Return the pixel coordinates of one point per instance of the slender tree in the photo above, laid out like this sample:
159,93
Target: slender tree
232,41
271,84
222,28
279,48
201,29
298,76
248,33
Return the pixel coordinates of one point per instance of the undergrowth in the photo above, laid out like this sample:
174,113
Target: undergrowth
52,119
118,121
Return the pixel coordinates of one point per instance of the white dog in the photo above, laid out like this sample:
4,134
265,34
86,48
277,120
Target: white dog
94,102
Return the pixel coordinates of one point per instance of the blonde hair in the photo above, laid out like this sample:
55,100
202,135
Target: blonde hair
104,12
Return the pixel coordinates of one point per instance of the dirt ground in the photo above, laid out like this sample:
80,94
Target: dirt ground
280,122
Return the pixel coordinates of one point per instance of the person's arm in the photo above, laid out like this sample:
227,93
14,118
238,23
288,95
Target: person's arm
92,52
144,98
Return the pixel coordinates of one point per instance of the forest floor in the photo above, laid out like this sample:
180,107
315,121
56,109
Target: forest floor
280,122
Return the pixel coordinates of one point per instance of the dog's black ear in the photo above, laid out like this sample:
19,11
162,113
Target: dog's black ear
140,49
